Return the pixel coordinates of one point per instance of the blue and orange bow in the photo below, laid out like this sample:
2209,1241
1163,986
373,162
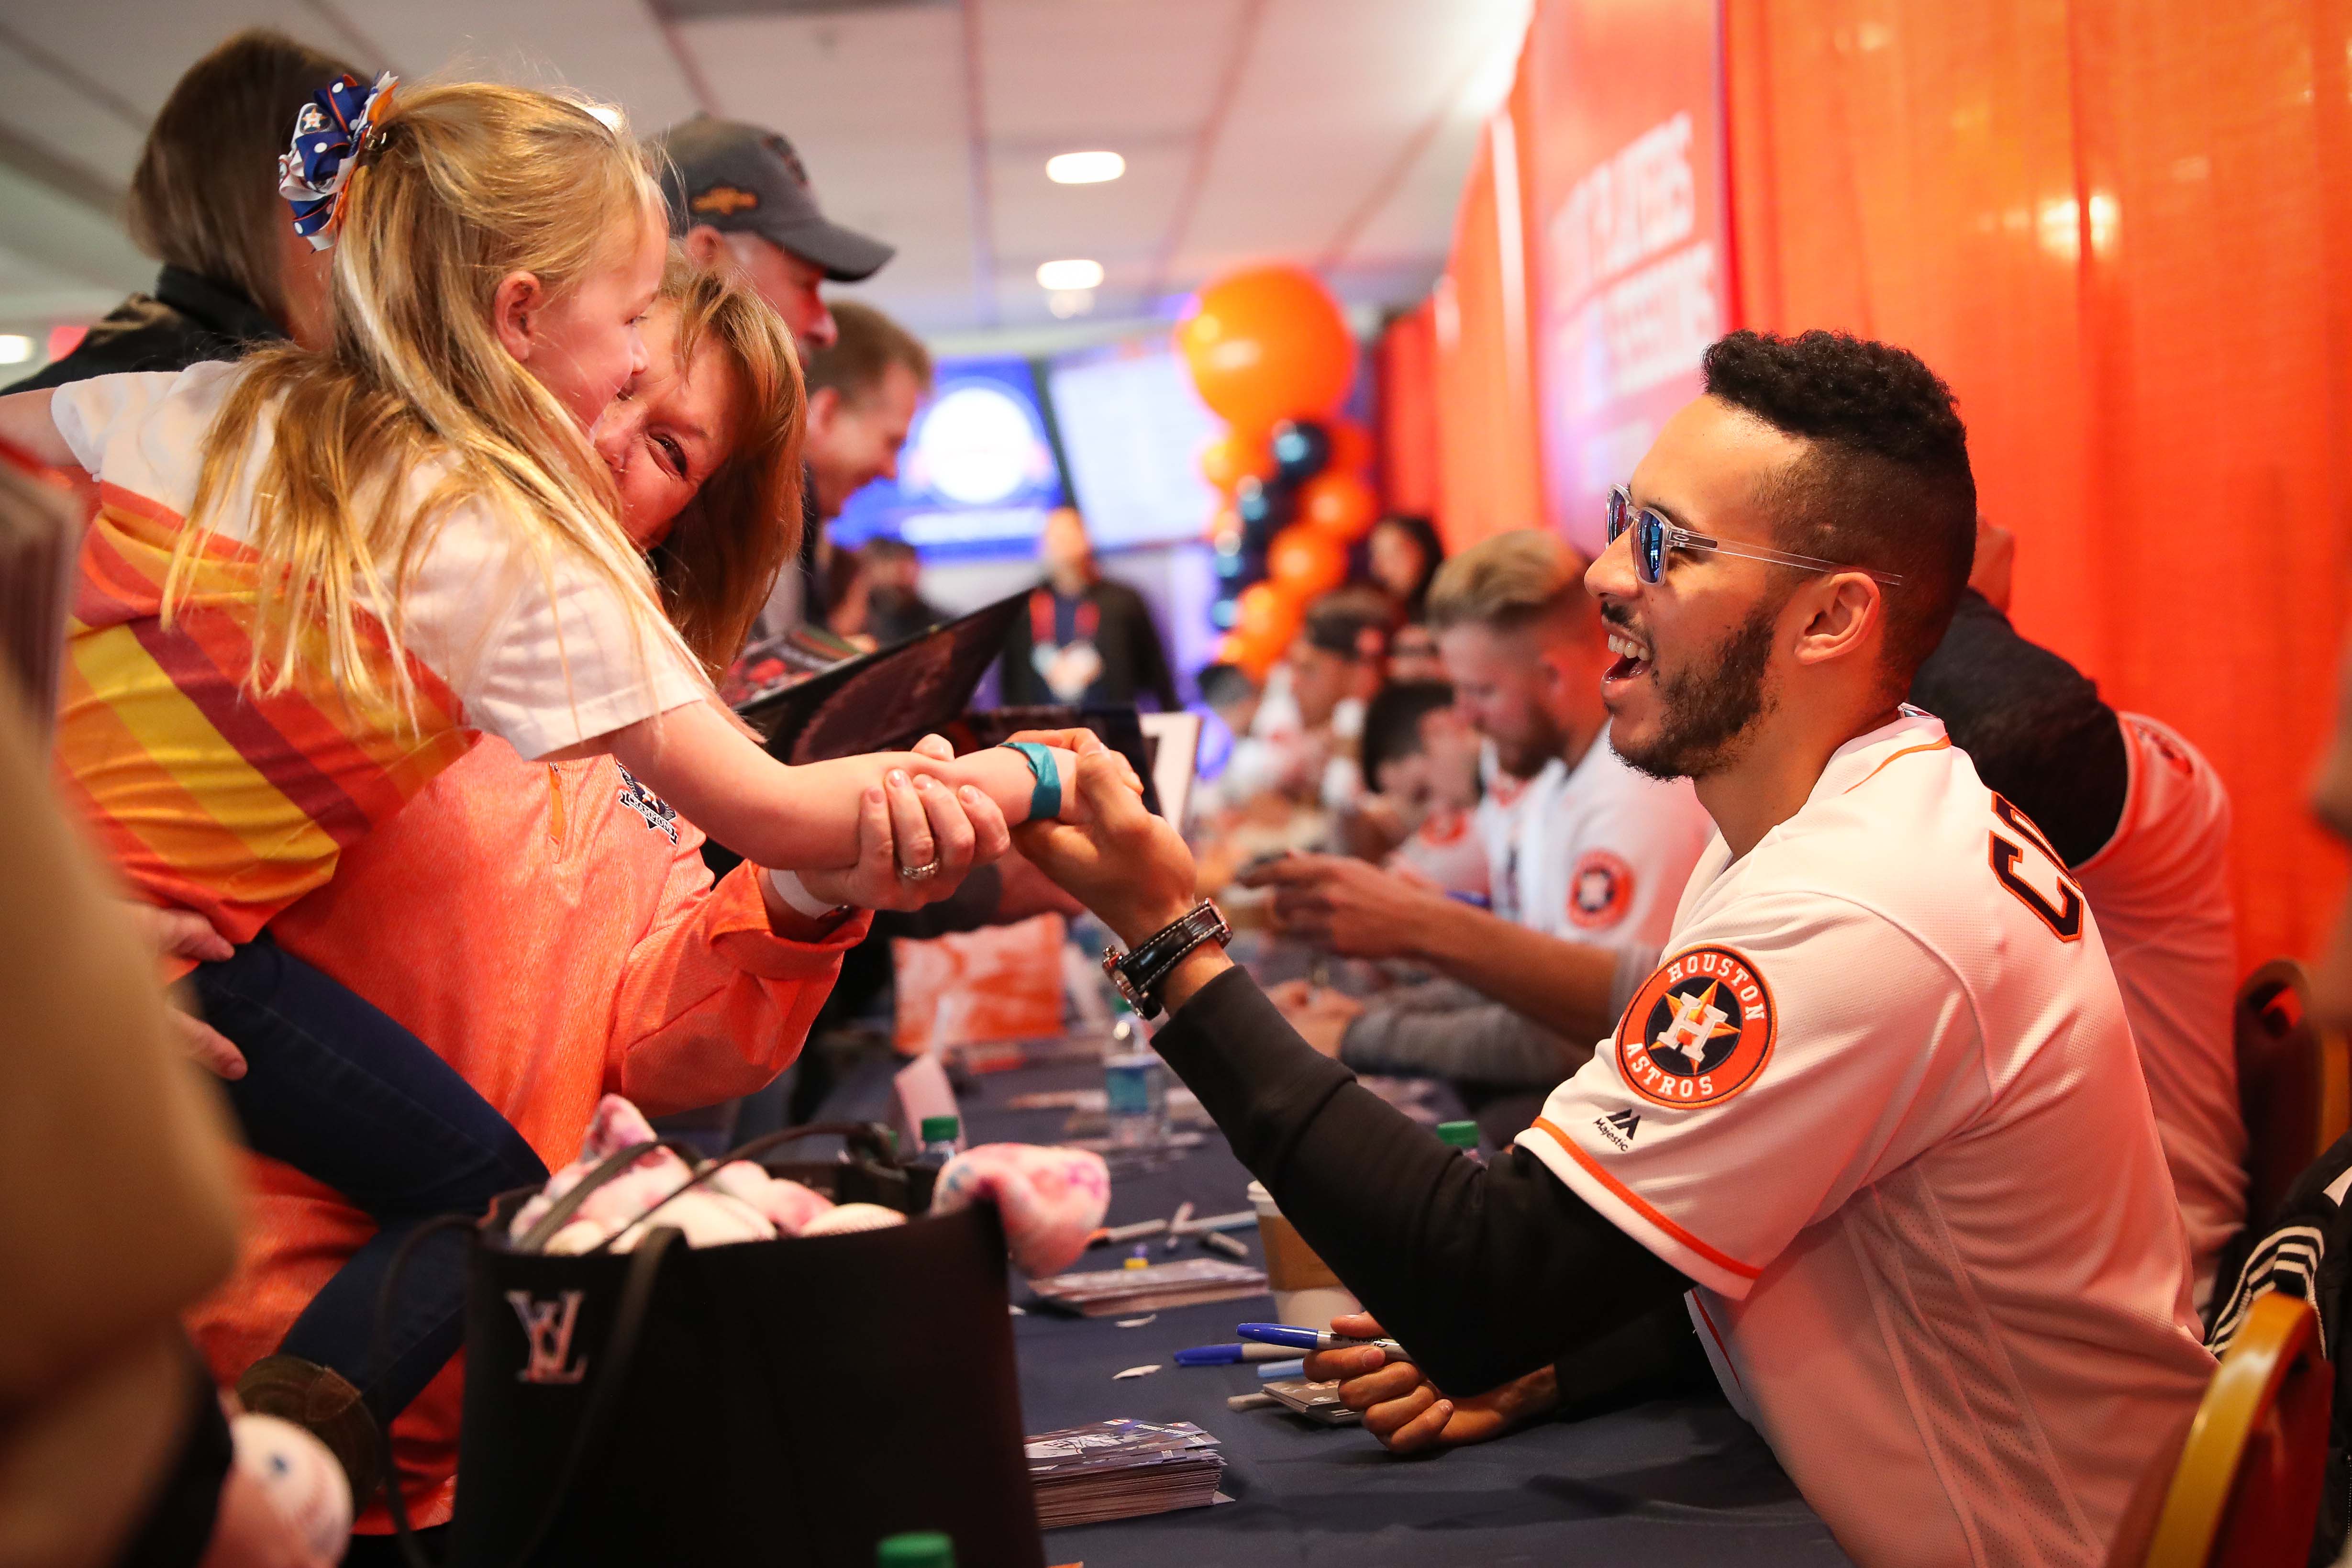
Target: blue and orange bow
329,136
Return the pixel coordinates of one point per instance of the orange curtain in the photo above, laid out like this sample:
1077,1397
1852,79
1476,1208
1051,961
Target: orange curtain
1488,480
2122,230
1404,369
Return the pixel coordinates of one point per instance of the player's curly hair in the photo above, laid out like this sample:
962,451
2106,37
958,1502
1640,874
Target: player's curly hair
1887,483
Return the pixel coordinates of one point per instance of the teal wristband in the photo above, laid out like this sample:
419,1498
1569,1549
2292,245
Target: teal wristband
1045,800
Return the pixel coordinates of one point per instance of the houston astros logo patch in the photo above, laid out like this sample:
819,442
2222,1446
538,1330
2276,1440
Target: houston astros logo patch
725,200
1698,1031
1599,890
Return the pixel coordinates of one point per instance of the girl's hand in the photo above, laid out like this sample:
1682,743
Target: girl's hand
184,933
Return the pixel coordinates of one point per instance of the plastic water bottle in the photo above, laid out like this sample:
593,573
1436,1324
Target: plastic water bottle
1462,1135
919,1549
942,1140
1135,1087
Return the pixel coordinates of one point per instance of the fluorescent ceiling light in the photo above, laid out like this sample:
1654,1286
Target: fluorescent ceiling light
1068,275
1085,168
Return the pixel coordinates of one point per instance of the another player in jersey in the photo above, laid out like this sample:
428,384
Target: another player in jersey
1878,1114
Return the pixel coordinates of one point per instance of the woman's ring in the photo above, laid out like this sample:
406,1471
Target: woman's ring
922,873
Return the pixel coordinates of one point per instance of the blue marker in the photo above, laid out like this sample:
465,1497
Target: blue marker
1276,1370
1228,1355
1292,1337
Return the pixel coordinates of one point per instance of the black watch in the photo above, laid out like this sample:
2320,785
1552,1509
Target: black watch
1140,973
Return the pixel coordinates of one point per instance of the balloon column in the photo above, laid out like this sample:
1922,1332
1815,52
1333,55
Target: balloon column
1271,353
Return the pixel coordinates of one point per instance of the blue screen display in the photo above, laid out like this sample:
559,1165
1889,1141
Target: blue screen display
977,475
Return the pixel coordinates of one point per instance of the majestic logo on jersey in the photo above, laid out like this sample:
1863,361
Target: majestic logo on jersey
1698,1031
548,1324
1619,1127
1599,890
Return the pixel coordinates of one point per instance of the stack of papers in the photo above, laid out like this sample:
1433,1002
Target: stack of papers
1118,1292
1122,1469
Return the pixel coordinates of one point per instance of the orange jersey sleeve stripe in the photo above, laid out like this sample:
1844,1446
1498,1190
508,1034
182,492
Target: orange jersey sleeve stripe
1641,1206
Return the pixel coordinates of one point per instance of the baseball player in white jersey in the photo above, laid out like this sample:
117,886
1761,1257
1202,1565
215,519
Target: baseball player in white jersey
1878,1114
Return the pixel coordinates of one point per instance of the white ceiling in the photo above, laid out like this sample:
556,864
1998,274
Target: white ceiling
1334,133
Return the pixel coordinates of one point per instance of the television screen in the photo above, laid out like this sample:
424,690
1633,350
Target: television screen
977,475
1132,429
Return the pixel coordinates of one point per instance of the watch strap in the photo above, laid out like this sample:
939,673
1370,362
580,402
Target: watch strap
1140,972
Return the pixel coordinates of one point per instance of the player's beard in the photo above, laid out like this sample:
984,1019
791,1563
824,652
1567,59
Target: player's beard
1706,708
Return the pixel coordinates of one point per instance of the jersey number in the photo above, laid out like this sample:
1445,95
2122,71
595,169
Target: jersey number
2028,868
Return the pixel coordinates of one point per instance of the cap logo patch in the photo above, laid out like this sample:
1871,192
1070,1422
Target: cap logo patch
1599,890
1698,1031
725,200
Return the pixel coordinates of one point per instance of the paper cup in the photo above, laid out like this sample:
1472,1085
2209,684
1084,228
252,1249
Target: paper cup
1306,1291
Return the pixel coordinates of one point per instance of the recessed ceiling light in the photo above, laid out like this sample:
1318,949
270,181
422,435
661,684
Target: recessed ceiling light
14,348
1085,168
1068,274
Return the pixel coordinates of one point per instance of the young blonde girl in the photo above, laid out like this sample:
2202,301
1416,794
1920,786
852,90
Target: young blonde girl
314,578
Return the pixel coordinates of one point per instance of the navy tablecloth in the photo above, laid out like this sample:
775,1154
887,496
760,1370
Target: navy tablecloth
1669,1482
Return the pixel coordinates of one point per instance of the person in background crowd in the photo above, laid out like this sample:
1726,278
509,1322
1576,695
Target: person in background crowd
1879,1118
863,390
1404,552
895,607
1597,857
1413,658
741,204
1338,663
1087,639
205,203
1421,764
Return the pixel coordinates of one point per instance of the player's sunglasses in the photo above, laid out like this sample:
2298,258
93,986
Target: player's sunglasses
1654,536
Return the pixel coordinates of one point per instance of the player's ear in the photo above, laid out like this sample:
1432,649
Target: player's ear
1839,616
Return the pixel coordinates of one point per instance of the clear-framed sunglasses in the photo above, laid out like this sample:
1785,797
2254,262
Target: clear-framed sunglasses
1654,536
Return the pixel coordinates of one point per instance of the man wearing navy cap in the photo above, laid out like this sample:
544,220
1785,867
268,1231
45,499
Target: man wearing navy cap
741,199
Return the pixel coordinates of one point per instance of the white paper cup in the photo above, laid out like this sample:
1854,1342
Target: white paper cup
1306,1291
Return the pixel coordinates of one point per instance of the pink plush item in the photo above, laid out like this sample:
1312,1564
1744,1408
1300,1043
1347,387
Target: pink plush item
791,1207
617,1125
1050,1199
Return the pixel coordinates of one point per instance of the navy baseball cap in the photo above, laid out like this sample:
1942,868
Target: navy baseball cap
739,179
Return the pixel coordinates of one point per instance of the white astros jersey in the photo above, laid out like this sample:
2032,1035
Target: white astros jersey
2160,891
1601,852
1880,1102
1497,821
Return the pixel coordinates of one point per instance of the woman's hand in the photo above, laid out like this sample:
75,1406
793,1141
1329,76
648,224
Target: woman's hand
184,933
909,821
1405,1409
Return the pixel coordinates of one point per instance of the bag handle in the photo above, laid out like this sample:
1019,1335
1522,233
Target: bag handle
610,1169
869,1133
603,1396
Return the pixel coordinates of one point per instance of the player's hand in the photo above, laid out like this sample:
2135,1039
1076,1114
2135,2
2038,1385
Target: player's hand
1128,865
911,821
1405,1411
1345,906
1320,1014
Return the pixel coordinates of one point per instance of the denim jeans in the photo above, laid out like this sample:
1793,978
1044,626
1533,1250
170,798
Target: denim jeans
337,1091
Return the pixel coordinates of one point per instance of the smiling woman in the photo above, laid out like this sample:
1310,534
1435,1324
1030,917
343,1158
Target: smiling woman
704,449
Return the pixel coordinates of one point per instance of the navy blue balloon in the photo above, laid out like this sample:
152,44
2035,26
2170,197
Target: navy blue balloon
1262,507
1223,613
1302,448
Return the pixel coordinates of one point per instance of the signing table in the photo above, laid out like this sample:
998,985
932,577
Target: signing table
1679,1481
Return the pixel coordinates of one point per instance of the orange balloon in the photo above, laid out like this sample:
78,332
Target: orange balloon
1233,457
1307,561
1265,617
1225,523
1268,343
1351,448
1339,505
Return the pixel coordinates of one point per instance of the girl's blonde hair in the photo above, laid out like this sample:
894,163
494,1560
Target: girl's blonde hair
463,185
720,560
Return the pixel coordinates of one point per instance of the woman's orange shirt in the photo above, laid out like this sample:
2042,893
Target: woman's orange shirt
550,929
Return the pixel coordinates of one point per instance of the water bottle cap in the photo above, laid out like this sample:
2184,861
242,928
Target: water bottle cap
923,1549
941,1129
1458,1135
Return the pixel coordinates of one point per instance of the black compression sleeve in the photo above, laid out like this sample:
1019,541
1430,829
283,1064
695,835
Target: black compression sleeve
1483,1272
2033,723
